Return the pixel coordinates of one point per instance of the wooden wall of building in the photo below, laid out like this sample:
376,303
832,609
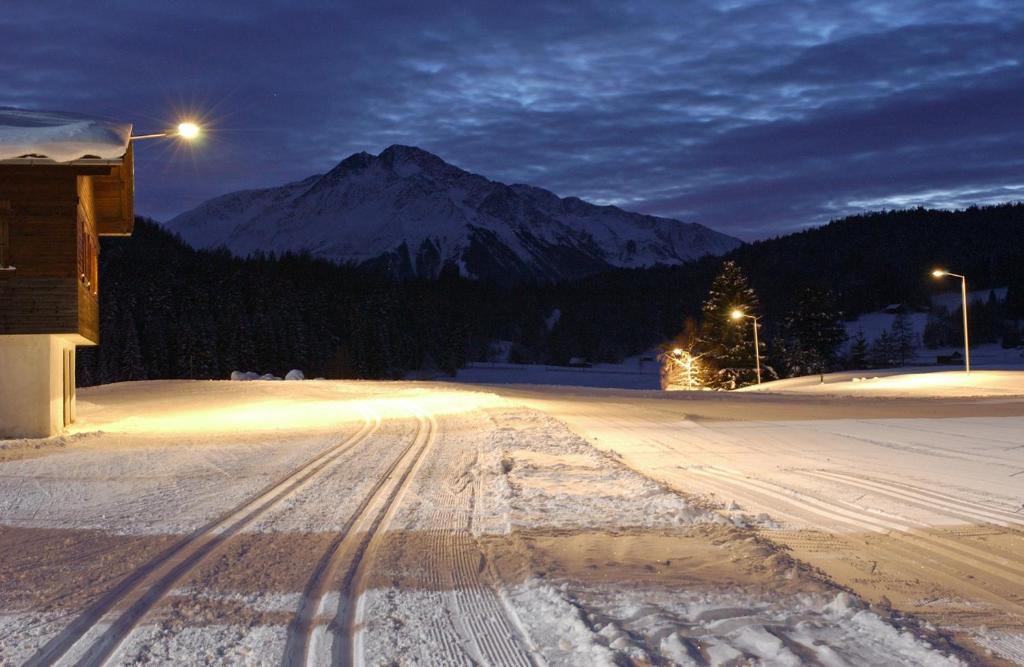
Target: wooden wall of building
50,215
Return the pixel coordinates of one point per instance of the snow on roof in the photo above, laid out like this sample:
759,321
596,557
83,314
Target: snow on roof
60,137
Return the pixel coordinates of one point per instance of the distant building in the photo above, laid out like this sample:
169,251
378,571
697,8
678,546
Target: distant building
65,181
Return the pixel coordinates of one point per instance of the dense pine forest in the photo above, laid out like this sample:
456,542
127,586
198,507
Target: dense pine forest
169,311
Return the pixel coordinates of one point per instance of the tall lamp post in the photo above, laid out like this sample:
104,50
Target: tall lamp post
941,273
738,315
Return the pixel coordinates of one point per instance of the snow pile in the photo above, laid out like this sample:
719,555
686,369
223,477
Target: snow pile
247,376
740,627
60,137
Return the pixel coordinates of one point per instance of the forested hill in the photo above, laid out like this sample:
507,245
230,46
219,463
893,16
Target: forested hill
169,311
880,258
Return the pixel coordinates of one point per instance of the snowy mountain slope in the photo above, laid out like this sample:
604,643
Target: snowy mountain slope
411,213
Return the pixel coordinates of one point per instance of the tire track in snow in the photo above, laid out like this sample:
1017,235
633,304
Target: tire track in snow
93,637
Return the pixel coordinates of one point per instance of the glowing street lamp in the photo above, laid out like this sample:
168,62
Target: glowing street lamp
186,130
941,273
686,360
738,315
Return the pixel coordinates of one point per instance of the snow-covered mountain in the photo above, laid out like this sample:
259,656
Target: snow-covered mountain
411,213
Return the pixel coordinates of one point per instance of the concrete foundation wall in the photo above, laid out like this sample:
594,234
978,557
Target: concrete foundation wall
32,385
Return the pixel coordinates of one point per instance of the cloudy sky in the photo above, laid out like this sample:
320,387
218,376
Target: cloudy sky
753,117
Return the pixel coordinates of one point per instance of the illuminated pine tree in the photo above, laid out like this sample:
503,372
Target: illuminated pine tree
728,345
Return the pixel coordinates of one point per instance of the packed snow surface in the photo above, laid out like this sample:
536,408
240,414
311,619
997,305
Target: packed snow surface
906,382
60,137
913,500
429,523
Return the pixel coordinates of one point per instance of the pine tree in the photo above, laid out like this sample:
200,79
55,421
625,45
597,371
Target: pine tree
813,332
728,344
859,351
904,342
938,329
883,351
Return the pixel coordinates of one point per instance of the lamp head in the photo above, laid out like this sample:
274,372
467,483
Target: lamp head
938,273
188,130
737,314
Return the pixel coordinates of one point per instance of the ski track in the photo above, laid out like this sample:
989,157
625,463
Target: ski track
478,627
314,639
951,556
97,633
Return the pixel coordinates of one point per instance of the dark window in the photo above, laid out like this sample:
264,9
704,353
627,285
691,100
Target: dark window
88,271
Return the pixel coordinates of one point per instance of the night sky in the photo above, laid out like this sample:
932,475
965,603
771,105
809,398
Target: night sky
755,118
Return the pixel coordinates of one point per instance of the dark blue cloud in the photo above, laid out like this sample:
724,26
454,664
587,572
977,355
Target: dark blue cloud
755,117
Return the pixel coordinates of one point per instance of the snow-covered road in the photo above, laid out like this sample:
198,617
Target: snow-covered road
917,504
413,523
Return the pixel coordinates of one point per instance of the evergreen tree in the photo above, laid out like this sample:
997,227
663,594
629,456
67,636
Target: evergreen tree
883,351
813,332
938,329
727,345
858,351
903,340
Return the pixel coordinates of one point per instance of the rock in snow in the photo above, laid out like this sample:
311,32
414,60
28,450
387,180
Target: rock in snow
410,213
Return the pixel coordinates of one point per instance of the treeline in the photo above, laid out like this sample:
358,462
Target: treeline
170,311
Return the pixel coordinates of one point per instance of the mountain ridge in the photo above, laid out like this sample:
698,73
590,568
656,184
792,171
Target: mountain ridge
409,213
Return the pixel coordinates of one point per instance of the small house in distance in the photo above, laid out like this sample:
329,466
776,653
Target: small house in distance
65,181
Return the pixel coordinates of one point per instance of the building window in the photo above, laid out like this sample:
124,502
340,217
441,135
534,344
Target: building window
88,270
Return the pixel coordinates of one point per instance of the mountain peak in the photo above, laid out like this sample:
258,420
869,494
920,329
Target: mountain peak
410,213
401,151
354,162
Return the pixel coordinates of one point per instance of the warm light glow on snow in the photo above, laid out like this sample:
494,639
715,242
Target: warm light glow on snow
272,407
188,130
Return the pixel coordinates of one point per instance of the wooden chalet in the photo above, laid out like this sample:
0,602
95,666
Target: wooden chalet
52,215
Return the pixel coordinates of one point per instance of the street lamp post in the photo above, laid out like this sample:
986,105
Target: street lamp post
739,315
184,130
940,273
686,360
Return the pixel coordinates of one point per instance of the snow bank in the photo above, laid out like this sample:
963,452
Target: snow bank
919,382
59,136
295,375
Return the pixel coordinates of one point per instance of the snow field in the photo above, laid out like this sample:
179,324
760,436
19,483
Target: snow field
903,382
921,512
462,529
